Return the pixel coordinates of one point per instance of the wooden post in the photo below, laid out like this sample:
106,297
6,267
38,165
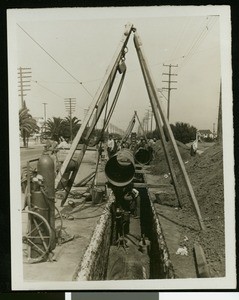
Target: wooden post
160,127
188,185
219,119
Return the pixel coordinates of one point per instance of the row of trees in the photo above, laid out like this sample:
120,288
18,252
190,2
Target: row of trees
182,132
54,128
58,127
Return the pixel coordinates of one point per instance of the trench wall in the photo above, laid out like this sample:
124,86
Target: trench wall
160,264
93,265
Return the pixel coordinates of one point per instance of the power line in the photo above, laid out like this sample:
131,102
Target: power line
186,24
42,86
70,82
59,64
162,94
198,35
199,40
49,90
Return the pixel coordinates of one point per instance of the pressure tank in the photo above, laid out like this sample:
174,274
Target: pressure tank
120,169
46,169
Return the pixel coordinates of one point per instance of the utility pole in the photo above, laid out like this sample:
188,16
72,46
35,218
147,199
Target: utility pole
23,80
214,131
169,81
219,120
45,104
70,104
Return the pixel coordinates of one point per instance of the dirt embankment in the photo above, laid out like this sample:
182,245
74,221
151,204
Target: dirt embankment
206,175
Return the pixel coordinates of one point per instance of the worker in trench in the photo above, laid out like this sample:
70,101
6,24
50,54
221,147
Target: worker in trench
131,201
127,204
127,199
134,261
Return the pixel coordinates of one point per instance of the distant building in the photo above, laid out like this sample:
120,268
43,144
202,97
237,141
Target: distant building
205,133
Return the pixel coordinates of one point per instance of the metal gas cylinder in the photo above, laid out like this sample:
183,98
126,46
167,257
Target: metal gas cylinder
45,168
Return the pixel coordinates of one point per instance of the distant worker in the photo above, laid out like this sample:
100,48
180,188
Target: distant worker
50,145
194,146
63,144
110,146
118,145
100,149
142,144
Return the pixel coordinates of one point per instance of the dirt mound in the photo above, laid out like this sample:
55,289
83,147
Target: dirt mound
159,164
206,175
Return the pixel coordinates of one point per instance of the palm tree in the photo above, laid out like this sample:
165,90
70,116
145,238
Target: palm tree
54,128
27,124
70,127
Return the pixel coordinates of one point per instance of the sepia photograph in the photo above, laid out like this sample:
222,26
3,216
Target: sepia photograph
121,148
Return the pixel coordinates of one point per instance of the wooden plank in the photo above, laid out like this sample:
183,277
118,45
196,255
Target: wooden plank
202,267
149,185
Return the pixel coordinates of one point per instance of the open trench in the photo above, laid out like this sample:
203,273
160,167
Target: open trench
138,258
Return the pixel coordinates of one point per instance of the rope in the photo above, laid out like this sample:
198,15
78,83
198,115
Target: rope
111,110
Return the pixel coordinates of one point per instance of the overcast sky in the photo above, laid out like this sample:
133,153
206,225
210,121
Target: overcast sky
83,41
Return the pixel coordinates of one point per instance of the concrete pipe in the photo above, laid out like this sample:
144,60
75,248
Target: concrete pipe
142,156
120,169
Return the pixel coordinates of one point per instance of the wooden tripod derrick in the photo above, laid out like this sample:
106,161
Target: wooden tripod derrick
101,99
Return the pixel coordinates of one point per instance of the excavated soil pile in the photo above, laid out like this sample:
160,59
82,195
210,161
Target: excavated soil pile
206,175
159,164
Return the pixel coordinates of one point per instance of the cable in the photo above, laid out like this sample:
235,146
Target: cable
199,40
198,35
163,95
186,24
70,82
44,87
55,60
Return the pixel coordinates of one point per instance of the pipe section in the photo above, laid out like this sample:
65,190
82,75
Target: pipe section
120,169
142,156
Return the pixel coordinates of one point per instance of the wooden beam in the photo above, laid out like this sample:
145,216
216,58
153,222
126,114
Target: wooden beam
96,107
149,185
157,118
146,71
203,270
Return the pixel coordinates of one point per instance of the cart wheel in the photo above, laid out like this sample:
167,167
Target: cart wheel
37,237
